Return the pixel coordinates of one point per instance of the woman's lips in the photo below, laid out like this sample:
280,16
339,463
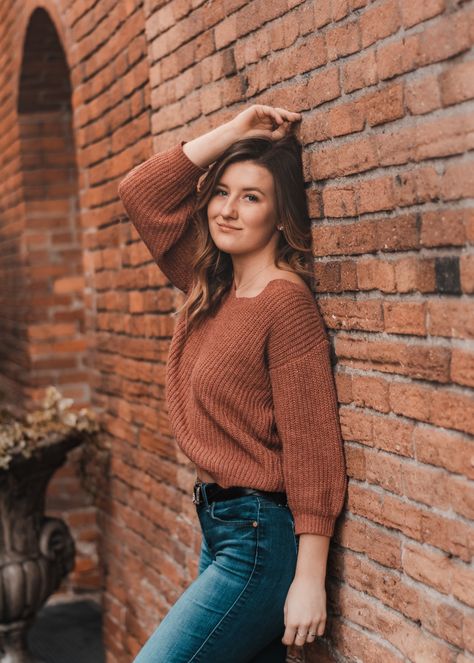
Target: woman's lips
224,227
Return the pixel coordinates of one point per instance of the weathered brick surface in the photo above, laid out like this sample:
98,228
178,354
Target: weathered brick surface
386,91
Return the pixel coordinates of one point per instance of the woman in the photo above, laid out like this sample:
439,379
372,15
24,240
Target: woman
250,390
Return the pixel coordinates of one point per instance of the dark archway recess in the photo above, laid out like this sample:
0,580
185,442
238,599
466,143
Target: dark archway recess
53,346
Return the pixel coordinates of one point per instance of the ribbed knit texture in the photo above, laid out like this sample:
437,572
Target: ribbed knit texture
251,393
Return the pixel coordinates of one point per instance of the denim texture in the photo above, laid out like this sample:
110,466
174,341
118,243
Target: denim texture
233,611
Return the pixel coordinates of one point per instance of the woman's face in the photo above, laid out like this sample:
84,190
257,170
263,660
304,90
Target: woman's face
244,198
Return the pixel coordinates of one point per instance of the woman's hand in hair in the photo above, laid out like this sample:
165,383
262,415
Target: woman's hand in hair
267,121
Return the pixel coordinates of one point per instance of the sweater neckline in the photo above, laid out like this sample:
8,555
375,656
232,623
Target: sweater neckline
272,283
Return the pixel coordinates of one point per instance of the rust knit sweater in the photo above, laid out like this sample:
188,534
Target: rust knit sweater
251,394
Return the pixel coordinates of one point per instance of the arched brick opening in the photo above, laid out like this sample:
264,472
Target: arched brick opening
54,319
43,320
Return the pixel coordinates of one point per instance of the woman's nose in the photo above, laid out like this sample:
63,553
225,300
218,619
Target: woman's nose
229,208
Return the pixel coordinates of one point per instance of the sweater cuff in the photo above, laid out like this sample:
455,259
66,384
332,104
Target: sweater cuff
310,523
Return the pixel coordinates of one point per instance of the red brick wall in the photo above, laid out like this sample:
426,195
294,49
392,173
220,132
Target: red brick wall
42,295
385,89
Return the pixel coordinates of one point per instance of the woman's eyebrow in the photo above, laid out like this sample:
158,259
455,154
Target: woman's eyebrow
245,188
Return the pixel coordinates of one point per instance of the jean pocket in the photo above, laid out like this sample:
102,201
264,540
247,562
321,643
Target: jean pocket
240,511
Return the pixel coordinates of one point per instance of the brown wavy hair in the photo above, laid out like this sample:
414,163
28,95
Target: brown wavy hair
212,268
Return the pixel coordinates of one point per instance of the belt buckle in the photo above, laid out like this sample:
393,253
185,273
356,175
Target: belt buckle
197,493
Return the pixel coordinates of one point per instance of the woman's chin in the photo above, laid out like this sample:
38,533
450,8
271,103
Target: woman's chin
224,244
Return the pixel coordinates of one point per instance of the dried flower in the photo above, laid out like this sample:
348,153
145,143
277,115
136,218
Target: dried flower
22,435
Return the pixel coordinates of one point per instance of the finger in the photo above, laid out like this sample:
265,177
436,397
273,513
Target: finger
318,629
280,133
273,112
314,628
291,116
289,635
300,637
278,117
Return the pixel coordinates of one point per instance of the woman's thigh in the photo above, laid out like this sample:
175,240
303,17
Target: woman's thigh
233,611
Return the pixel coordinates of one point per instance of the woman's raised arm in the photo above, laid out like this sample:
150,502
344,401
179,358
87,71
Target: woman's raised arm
159,196
160,193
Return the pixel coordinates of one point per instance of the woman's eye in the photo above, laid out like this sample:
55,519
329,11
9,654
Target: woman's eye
251,195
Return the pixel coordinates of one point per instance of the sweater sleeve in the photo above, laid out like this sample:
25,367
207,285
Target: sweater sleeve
159,197
306,416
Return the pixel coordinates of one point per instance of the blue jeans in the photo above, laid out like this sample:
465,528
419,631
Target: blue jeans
233,611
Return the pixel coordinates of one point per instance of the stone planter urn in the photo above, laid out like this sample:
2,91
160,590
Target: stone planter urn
36,552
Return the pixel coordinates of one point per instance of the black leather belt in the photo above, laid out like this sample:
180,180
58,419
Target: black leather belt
216,493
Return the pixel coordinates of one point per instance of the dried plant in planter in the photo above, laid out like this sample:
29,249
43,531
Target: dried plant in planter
36,552
22,435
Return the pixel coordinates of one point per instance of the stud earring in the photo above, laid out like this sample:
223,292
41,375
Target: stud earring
280,227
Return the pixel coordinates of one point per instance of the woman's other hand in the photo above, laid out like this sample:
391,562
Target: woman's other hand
304,612
267,121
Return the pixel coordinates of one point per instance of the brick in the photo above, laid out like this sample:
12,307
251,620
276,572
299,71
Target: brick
398,57
416,361
322,13
414,13
385,105
445,38
343,40
373,273
360,73
351,314
423,96
451,318
361,645
457,83
443,228
466,263
405,318
379,22
462,367
444,449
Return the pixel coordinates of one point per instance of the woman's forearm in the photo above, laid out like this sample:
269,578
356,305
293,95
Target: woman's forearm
312,557
205,149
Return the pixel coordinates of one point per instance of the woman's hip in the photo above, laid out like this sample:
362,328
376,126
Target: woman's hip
250,533
234,608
